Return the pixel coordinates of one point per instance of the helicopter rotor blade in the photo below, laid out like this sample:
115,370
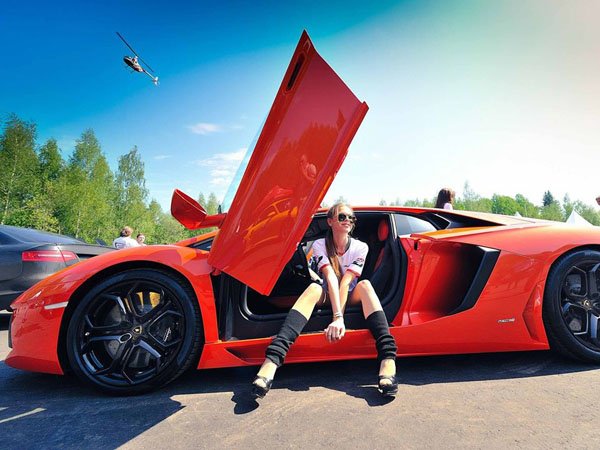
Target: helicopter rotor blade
130,47
150,69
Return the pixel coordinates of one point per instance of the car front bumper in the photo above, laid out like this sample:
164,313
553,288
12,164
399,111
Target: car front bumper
34,330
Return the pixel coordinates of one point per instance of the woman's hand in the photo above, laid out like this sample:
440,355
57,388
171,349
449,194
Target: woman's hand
336,330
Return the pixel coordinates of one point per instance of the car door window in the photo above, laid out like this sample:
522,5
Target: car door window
406,224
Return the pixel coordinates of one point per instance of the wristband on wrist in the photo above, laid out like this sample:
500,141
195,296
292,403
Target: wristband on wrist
338,315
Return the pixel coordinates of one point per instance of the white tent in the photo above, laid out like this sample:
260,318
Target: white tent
576,219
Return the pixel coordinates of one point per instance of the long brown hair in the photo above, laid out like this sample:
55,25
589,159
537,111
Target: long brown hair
329,244
446,195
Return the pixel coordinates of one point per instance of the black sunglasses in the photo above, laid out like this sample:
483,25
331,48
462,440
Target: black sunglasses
342,217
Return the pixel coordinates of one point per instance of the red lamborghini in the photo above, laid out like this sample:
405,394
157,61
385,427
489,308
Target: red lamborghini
449,281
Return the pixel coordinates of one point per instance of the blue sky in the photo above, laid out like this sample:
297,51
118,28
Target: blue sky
504,95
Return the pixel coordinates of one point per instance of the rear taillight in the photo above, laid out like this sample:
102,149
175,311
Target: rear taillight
49,256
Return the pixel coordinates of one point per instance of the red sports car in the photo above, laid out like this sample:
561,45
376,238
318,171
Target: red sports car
449,281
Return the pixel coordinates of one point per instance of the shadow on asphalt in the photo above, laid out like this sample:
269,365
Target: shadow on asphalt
62,411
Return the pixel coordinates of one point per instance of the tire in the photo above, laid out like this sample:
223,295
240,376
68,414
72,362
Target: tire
571,310
134,332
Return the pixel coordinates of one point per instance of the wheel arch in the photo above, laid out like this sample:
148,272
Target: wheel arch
552,329
563,255
98,277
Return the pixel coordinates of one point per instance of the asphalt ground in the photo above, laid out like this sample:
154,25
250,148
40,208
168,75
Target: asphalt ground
509,400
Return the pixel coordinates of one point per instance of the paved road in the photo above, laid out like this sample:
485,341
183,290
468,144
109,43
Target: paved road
515,400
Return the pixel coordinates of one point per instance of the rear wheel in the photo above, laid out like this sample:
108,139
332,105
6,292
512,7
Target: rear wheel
571,309
134,331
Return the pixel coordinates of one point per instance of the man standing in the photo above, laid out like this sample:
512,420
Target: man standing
125,240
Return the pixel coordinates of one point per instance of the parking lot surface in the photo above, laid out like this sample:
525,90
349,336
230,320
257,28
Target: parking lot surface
515,400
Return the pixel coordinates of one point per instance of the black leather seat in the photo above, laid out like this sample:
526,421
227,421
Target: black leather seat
378,268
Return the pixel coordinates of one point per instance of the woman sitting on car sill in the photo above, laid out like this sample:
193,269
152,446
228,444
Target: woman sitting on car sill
339,259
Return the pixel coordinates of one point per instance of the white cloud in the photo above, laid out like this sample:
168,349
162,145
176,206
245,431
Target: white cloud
221,173
205,128
223,166
220,181
161,157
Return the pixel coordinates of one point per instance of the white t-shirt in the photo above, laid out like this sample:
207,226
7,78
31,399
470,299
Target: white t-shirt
448,205
353,260
125,242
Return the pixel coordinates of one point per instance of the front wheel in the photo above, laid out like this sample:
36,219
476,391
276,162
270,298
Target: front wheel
571,309
134,332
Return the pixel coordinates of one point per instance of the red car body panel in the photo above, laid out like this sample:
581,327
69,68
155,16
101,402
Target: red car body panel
297,155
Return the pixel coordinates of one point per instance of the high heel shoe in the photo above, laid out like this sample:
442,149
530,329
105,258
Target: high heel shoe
388,390
259,391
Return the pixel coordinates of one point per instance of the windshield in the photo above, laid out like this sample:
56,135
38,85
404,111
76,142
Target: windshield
235,183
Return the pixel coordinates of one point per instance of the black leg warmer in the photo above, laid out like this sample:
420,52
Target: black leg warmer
292,326
384,341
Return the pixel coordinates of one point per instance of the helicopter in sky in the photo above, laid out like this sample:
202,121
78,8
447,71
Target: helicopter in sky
136,63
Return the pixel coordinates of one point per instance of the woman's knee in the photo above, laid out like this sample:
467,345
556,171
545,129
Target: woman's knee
312,293
314,289
365,286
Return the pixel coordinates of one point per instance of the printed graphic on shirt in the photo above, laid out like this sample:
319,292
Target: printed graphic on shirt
359,262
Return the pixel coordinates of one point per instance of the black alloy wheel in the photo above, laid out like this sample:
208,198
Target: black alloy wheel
572,305
134,331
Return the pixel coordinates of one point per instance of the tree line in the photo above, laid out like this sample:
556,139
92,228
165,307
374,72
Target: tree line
549,209
79,196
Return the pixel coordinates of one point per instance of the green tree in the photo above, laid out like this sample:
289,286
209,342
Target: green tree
589,213
567,205
503,204
548,199
41,209
39,213
51,161
414,203
131,194
19,180
212,206
86,192
552,212
525,207
471,201
168,230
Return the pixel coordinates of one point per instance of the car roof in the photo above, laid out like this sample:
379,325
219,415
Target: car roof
11,235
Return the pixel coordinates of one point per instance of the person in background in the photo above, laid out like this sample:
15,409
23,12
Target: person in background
598,200
339,258
445,199
141,239
125,240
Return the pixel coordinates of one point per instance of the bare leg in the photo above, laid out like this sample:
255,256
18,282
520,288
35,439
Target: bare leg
305,306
